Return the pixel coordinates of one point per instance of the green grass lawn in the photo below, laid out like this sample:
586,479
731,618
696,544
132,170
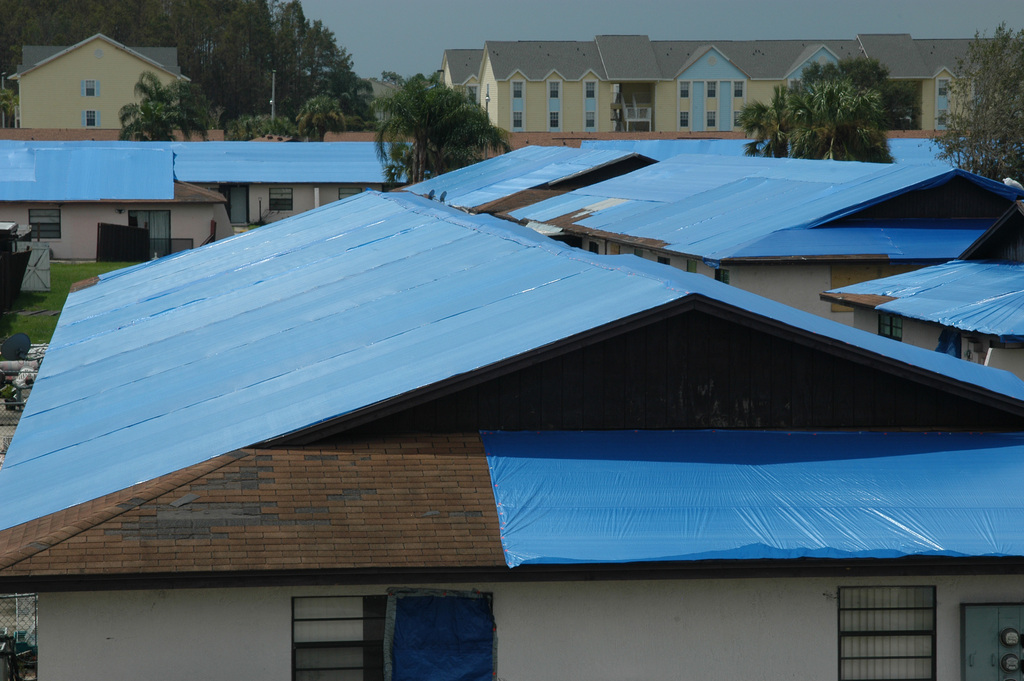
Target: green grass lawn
39,328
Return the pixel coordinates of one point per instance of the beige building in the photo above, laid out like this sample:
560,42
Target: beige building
631,83
85,85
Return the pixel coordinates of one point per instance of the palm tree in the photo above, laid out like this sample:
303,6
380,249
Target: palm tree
162,109
835,120
8,102
320,115
250,127
443,130
769,124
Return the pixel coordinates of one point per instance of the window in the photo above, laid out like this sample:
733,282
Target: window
684,89
684,119
517,120
591,89
943,87
280,198
517,89
890,326
712,89
345,192
554,87
338,637
712,119
591,120
90,118
471,92
90,88
594,247
735,119
737,88
886,633
638,252
664,261
722,275
691,266
553,120
45,222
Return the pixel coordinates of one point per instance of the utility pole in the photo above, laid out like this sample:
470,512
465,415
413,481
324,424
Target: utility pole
3,108
273,94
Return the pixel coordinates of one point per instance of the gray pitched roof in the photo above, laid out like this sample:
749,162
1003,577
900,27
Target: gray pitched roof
537,59
163,57
463,64
897,51
941,53
636,57
628,57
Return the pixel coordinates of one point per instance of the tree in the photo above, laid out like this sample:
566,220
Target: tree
320,115
985,129
834,120
900,99
162,109
769,124
250,127
441,128
8,102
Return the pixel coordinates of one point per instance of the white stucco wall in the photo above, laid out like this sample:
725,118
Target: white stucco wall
572,631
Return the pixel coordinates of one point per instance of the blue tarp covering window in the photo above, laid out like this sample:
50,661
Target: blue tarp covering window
439,636
611,497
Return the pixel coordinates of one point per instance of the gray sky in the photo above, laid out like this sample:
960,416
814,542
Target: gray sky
409,36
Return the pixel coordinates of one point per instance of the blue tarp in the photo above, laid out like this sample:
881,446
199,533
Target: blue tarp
76,173
442,638
718,207
89,170
507,174
172,362
613,497
903,150
986,296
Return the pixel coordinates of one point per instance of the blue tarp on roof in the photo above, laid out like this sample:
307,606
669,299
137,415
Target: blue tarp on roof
76,173
717,207
205,162
985,296
903,150
175,361
507,174
613,497
266,162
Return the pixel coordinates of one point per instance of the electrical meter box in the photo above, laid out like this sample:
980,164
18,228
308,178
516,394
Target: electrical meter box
991,642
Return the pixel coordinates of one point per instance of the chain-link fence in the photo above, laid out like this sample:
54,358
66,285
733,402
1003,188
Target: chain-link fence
18,621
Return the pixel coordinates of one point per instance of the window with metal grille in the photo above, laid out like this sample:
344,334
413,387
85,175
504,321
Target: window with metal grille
890,326
45,223
280,198
338,638
887,633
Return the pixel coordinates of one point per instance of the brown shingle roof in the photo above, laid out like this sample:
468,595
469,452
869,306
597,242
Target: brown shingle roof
399,502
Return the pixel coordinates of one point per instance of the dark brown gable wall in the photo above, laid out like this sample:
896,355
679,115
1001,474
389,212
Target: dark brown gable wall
696,370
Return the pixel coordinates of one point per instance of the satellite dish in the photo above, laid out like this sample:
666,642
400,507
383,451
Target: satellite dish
16,347
443,194
431,195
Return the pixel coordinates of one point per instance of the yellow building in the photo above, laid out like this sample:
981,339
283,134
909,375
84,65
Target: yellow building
85,85
629,82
